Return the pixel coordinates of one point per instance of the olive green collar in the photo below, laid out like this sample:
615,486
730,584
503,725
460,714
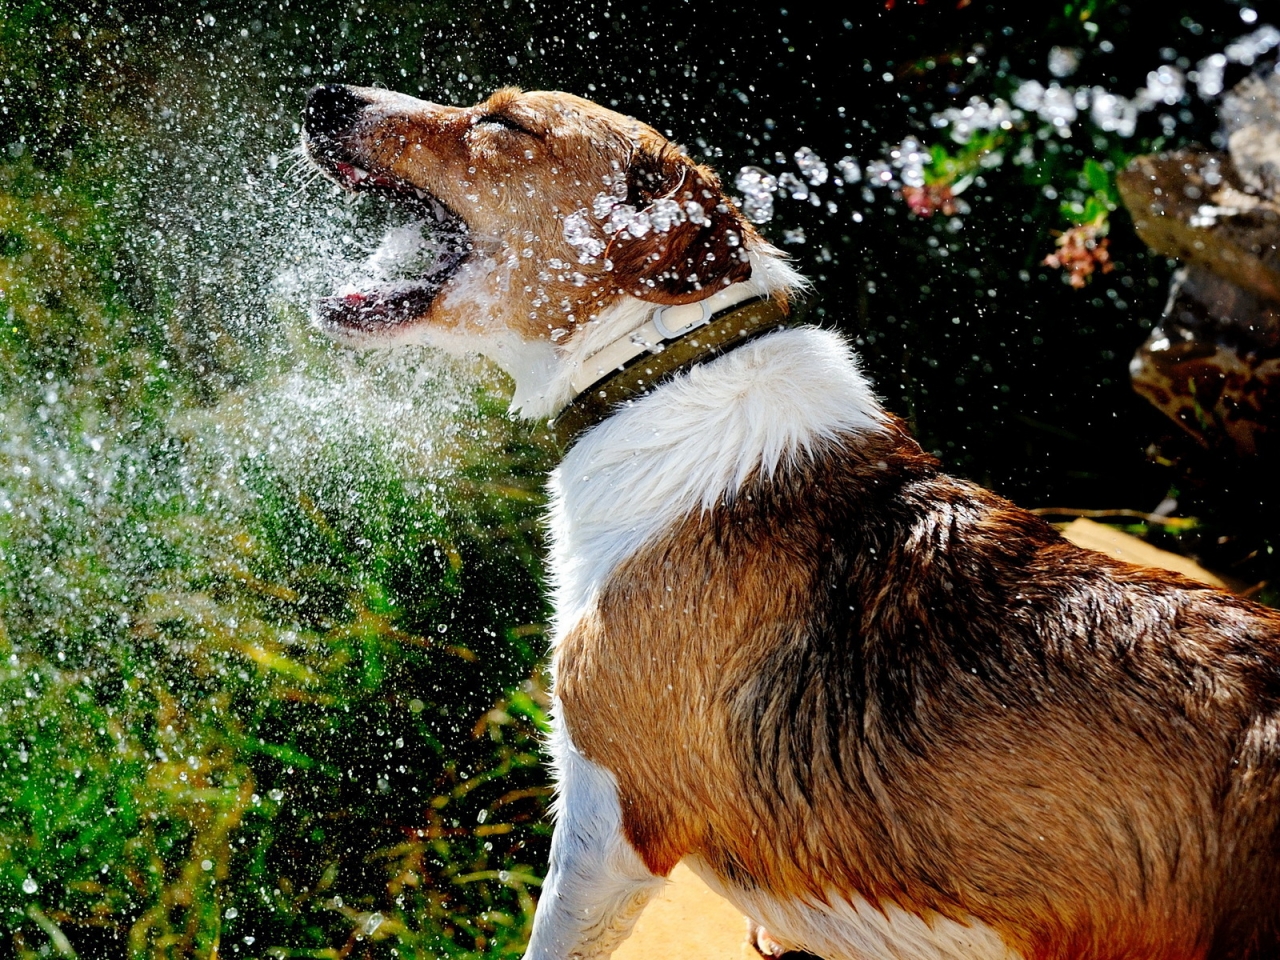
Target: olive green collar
673,341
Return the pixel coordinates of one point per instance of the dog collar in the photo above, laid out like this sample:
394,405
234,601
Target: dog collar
674,340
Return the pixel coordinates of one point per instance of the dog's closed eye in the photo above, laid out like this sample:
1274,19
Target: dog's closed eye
500,121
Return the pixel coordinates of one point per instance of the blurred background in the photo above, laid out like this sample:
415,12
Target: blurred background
270,612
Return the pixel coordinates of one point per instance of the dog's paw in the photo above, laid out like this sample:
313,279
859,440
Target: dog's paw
763,944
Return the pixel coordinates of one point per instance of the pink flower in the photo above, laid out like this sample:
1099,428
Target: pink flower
1082,250
930,199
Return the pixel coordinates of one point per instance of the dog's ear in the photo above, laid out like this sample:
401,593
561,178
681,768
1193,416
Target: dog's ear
686,239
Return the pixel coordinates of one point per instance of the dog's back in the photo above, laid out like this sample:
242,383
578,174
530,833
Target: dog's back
863,681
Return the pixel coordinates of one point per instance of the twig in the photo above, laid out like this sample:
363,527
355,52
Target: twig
1116,513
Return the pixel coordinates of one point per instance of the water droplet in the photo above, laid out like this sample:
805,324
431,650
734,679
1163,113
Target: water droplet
1064,61
1165,84
849,170
1113,113
1251,46
757,187
1209,75
793,186
581,235
977,114
811,165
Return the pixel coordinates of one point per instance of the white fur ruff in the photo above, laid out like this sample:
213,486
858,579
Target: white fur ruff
692,443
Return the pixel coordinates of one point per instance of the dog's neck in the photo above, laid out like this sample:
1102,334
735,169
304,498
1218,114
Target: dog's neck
548,376
691,444
691,441
674,341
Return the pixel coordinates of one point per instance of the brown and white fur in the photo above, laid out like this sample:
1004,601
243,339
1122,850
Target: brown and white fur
885,712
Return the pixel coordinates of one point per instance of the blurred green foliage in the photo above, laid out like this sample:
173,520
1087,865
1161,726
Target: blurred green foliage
266,689
302,717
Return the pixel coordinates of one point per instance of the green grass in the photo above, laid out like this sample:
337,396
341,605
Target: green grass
270,615
268,674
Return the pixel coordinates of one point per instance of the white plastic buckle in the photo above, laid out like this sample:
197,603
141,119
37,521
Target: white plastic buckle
701,312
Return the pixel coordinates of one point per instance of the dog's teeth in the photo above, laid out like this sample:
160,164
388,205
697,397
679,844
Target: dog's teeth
357,174
422,194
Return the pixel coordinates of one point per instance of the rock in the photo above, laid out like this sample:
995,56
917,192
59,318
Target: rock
1250,116
1212,365
1194,207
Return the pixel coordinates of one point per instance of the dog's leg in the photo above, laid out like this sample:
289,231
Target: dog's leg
597,884
762,942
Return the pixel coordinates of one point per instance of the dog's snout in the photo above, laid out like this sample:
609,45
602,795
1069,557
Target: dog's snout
331,109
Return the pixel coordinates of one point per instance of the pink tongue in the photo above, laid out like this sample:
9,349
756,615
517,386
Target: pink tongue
354,299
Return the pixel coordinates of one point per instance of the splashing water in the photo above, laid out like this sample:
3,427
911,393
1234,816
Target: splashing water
757,187
1112,113
811,166
1064,61
1253,46
903,166
910,159
792,186
1210,73
1165,85
975,116
849,170
580,235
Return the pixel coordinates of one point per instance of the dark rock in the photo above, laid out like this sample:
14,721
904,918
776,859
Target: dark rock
1212,365
1194,207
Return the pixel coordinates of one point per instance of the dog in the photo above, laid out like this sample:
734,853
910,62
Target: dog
885,712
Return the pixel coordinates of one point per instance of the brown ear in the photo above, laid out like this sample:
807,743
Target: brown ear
688,239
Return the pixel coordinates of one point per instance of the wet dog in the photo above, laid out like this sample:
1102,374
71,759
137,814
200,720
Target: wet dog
885,712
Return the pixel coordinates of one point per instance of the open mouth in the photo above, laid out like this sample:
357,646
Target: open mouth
432,246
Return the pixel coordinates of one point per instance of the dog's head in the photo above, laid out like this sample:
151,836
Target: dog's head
547,209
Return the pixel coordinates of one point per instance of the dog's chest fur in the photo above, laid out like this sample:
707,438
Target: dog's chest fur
852,680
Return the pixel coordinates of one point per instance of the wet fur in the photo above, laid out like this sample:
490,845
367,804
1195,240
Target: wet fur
888,713
898,687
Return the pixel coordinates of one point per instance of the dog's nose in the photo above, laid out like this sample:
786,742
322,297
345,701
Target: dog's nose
331,109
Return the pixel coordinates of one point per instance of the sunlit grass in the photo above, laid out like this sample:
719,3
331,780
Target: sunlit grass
267,671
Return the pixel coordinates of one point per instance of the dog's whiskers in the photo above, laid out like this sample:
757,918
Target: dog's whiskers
306,184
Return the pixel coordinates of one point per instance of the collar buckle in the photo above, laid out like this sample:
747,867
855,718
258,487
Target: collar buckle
693,315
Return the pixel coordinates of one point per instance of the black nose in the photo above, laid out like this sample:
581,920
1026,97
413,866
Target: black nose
331,110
